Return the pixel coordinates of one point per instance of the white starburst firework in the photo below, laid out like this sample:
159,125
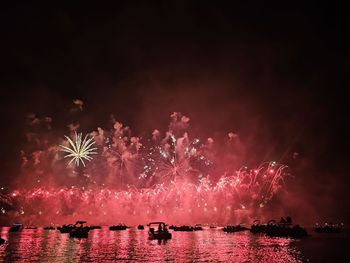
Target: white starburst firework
79,150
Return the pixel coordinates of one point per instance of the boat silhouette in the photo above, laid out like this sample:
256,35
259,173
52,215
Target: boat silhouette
161,233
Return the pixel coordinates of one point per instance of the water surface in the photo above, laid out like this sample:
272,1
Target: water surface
133,245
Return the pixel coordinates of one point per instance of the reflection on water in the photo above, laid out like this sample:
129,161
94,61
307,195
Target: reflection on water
210,245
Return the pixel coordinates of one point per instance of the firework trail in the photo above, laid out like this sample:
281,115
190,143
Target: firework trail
176,158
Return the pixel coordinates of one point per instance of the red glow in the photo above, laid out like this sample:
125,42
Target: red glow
171,176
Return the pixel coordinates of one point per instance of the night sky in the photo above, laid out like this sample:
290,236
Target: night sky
275,75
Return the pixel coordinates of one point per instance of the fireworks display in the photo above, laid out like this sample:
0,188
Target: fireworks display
79,149
172,177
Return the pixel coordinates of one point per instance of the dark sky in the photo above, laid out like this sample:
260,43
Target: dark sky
274,74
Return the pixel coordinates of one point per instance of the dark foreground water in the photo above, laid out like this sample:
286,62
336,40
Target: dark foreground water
132,245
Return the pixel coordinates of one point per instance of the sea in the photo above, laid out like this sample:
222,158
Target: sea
133,245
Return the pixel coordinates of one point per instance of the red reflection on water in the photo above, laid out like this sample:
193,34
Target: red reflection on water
103,245
267,249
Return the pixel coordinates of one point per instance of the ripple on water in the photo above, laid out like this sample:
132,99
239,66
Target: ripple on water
102,245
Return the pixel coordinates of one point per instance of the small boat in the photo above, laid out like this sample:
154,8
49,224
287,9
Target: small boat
118,227
232,229
212,226
140,227
2,241
16,227
198,227
161,234
49,228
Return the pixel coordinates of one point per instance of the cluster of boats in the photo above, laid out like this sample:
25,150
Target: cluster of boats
329,228
281,229
284,228
159,230
78,229
74,230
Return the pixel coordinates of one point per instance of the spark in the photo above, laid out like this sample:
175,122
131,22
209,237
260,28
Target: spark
79,150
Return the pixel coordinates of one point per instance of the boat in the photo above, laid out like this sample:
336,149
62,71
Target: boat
49,228
118,227
70,227
282,229
2,241
232,229
161,233
16,227
198,227
140,227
